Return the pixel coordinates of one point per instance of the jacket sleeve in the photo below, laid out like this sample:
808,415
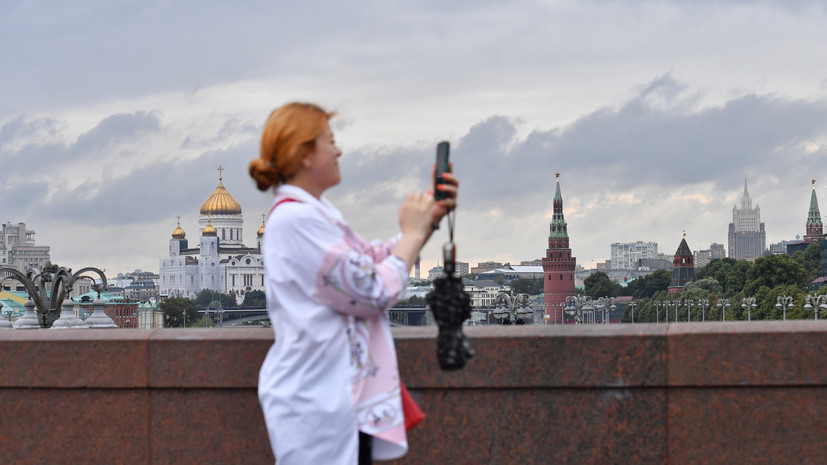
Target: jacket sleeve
379,250
351,282
337,268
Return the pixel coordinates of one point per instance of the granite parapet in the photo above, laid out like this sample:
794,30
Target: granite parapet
685,393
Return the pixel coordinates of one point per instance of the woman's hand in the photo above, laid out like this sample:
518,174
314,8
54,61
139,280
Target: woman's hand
415,222
415,215
450,187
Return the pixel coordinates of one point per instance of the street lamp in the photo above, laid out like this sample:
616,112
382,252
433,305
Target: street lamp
657,310
607,305
819,302
748,304
703,304
688,303
784,302
576,305
508,306
724,304
633,304
666,305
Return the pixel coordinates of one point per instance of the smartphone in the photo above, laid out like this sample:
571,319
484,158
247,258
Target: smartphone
442,166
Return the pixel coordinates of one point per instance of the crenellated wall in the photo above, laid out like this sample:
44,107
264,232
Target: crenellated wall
686,393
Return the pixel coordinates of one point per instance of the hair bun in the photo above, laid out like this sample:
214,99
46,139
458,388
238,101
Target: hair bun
264,175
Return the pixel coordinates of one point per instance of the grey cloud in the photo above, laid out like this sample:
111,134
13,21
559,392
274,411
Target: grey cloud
49,157
700,145
117,128
157,191
654,141
165,188
21,127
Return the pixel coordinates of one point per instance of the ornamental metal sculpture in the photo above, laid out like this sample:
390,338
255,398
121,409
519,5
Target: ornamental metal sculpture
510,304
48,288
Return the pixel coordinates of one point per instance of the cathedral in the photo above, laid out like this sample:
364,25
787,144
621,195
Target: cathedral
219,261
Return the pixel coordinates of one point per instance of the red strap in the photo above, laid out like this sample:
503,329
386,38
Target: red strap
286,199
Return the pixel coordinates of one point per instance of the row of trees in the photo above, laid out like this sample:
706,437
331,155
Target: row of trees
765,279
180,310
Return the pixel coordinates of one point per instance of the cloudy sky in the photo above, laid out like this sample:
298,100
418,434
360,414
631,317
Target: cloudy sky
115,116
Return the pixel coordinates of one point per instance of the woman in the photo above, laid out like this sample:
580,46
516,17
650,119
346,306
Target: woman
329,386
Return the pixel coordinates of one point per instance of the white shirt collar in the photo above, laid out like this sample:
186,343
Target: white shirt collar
295,192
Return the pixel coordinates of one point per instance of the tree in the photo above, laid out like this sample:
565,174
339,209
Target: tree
810,259
175,308
647,286
773,271
767,297
598,284
708,284
526,286
731,274
412,301
207,298
254,299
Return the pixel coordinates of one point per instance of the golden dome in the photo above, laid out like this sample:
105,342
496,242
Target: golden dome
209,230
179,233
260,230
220,202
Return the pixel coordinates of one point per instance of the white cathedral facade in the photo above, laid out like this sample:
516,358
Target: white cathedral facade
220,261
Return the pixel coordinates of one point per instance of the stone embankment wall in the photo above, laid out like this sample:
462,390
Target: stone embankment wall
686,393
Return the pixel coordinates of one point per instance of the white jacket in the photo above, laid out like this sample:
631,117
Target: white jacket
332,369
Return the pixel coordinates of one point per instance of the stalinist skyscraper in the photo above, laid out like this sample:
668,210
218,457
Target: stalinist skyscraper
747,238
558,264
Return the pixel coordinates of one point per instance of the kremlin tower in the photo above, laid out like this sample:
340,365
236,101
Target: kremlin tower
684,268
558,264
815,228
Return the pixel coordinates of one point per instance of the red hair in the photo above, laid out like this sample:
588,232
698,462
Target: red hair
289,134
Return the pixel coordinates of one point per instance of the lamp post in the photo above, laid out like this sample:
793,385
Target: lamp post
576,305
633,304
607,305
784,302
748,304
819,302
689,303
703,304
723,304
666,305
657,310
508,306
677,305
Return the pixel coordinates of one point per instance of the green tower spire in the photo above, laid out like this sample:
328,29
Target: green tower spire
814,225
558,228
